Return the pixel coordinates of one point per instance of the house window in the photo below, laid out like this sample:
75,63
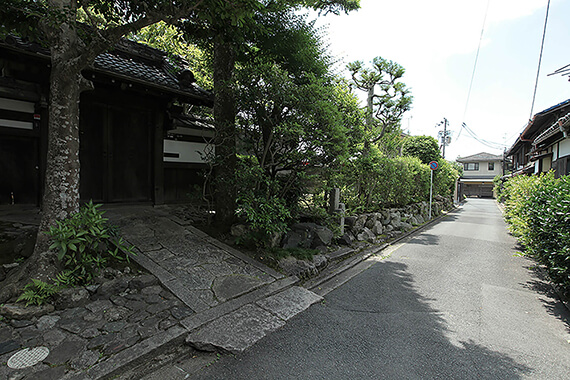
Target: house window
491,166
471,166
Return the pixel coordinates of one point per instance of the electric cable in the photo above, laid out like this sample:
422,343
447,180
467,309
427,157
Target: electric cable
475,64
487,143
539,59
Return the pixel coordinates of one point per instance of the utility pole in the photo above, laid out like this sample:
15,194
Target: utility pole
445,139
444,135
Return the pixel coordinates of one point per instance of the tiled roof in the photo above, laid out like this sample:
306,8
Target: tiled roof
135,62
483,156
559,126
536,125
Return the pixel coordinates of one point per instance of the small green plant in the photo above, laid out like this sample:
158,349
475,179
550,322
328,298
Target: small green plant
37,292
85,242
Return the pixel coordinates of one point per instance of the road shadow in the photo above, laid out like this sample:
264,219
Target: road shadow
376,326
424,239
552,299
408,324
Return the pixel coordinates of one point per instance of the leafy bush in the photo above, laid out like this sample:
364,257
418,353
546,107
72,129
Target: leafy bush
498,187
517,192
444,178
37,293
85,243
538,212
426,148
262,203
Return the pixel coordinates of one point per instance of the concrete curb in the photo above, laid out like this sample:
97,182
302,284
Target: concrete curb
364,255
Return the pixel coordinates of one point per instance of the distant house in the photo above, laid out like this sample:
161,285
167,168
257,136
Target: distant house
136,142
544,143
479,170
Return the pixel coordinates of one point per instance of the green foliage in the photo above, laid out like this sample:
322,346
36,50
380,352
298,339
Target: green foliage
444,178
538,212
261,203
171,40
298,253
293,115
426,148
517,191
498,187
37,293
84,243
373,181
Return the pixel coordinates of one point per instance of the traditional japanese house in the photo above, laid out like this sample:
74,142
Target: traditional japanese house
139,139
544,143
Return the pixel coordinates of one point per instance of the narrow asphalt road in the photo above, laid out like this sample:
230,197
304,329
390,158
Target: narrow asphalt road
450,303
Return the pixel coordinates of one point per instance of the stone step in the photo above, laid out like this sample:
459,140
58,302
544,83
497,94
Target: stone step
237,331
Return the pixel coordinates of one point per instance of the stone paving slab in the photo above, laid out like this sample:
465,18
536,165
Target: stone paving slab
199,269
289,302
237,331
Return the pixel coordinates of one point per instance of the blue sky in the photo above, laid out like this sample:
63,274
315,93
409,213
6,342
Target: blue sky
437,41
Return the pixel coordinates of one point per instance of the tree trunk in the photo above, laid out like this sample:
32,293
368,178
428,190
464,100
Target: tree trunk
225,115
369,120
61,188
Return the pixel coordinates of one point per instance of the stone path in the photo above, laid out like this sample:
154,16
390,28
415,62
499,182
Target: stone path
199,291
200,270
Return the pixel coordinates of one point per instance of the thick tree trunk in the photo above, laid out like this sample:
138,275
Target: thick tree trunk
225,119
61,188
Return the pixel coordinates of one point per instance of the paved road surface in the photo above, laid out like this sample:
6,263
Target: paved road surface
450,303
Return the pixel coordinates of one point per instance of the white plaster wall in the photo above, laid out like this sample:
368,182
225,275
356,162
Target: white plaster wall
564,148
188,152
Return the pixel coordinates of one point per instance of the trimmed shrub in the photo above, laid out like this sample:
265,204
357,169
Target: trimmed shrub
538,212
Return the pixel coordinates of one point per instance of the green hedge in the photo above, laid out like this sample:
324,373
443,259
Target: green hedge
538,213
375,181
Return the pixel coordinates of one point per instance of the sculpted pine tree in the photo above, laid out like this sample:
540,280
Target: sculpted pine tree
384,109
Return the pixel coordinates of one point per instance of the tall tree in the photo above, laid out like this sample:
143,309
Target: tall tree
288,107
384,109
226,39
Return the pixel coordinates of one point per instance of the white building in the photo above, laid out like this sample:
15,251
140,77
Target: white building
479,170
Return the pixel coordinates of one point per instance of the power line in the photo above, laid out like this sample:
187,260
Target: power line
539,59
476,59
490,144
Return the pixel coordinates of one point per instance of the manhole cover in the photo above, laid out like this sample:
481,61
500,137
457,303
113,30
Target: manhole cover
28,357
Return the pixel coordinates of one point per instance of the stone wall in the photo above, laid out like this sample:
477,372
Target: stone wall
387,224
374,227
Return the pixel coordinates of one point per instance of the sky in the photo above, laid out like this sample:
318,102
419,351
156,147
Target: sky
436,42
